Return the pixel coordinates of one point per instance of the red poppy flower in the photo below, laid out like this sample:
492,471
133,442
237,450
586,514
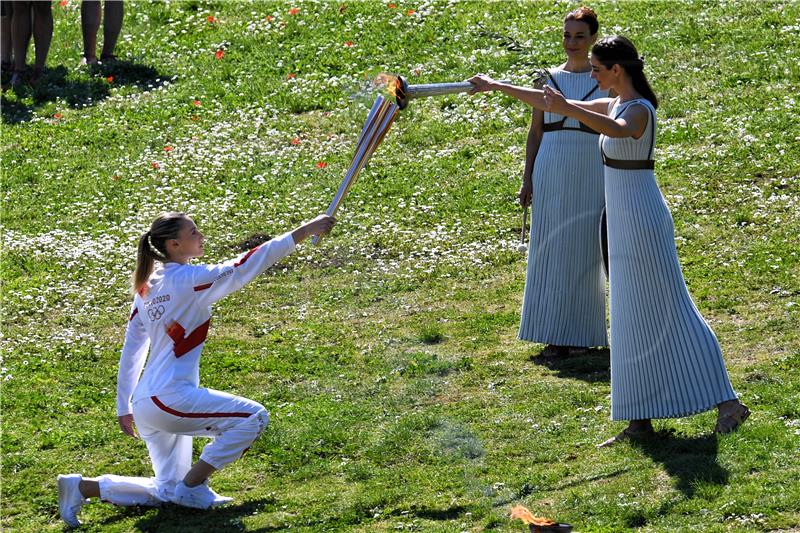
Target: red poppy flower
348,44
321,164
294,11
156,165
411,12
197,103
220,53
168,148
212,19
57,115
291,76
270,18
392,6
63,3
295,141
110,79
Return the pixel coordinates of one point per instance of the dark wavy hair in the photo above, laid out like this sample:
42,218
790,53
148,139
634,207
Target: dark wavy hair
585,15
153,246
620,51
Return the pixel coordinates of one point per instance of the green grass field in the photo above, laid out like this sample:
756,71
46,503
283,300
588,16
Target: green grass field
400,397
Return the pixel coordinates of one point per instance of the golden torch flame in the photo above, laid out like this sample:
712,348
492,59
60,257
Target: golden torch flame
387,80
527,517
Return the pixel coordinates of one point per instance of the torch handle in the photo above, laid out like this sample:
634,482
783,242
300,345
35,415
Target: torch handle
438,89
524,224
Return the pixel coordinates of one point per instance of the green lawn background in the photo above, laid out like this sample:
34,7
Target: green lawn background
400,397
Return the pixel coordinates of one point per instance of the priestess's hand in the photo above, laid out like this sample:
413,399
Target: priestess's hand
525,192
554,100
481,83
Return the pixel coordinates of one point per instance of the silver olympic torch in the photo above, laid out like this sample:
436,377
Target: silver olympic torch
405,92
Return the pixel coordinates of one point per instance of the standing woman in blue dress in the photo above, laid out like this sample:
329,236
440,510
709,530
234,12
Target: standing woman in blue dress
665,360
564,300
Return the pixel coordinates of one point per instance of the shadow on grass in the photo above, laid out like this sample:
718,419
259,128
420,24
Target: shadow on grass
19,105
176,518
688,460
428,513
592,367
597,477
451,513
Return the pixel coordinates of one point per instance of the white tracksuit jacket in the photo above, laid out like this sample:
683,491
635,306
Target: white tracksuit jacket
173,317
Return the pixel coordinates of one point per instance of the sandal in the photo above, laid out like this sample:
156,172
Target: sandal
553,351
626,434
730,421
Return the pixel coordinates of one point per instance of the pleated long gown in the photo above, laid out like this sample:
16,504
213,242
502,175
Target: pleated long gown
564,298
665,359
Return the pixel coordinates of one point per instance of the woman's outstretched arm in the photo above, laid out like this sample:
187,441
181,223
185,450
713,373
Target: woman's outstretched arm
631,123
592,113
213,282
532,97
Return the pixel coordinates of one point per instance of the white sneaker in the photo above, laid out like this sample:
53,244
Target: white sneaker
199,497
70,499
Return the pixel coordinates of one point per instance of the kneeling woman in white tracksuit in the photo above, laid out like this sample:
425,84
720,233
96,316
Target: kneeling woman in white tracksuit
170,315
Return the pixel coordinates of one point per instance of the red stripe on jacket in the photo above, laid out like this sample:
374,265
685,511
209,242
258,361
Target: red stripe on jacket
246,257
184,345
203,287
135,312
175,412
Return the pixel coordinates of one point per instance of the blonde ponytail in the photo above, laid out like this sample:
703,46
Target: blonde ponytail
152,247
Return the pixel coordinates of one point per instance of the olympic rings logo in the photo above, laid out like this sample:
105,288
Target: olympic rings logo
155,313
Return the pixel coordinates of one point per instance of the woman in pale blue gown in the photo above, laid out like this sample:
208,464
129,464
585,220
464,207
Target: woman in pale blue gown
564,304
665,359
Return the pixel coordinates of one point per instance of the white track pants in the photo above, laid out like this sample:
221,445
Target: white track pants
167,424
